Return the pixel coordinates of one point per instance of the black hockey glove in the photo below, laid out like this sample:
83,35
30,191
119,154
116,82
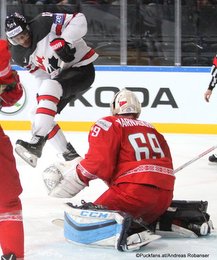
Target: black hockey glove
63,50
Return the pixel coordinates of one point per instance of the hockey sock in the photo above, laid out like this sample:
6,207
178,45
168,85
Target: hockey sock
12,232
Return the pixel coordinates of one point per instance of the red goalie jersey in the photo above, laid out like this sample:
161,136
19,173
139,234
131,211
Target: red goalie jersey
10,88
127,150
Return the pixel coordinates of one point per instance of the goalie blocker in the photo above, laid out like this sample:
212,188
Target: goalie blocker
96,226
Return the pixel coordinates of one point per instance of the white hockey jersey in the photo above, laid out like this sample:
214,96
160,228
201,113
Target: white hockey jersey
46,27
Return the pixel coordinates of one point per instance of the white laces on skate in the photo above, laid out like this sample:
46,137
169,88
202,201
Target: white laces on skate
34,139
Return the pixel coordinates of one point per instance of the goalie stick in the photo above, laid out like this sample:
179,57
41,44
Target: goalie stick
195,159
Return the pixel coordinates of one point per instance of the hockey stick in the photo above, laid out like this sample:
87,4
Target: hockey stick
195,159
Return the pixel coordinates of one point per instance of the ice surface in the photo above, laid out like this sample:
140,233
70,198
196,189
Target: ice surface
44,241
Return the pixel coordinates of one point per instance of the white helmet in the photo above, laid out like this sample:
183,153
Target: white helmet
125,102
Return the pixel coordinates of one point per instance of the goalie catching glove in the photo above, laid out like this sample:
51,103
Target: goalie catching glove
62,184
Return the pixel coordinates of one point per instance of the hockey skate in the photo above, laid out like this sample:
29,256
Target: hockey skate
69,158
213,158
8,257
30,152
70,154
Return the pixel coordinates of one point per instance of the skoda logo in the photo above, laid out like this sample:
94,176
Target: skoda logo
16,108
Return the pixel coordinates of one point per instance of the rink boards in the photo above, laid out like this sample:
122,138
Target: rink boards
172,99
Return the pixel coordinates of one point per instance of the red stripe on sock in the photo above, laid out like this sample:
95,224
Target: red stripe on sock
53,131
45,111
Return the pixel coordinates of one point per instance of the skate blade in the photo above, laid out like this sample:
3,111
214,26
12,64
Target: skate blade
31,159
212,163
176,232
134,246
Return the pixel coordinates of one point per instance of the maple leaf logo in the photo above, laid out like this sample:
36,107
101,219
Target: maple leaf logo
40,62
53,62
121,103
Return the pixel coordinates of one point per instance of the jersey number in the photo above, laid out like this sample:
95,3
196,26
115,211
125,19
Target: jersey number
151,143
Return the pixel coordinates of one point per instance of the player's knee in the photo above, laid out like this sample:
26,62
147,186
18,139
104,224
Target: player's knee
50,88
48,104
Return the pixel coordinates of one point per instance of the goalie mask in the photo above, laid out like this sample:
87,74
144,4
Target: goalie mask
125,102
15,24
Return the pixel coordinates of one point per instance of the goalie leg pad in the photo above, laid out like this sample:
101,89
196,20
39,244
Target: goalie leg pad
104,228
185,216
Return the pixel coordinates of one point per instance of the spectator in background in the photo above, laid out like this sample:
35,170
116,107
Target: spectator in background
40,2
60,2
33,2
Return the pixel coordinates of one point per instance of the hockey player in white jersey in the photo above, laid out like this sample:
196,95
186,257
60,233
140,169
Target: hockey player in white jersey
51,47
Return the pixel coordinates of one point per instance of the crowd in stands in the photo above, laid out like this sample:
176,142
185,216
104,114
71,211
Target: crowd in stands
40,2
62,2
198,3
150,28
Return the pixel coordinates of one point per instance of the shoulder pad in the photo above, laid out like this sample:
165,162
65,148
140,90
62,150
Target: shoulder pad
104,124
59,18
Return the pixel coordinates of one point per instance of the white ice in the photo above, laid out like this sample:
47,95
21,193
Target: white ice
44,241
